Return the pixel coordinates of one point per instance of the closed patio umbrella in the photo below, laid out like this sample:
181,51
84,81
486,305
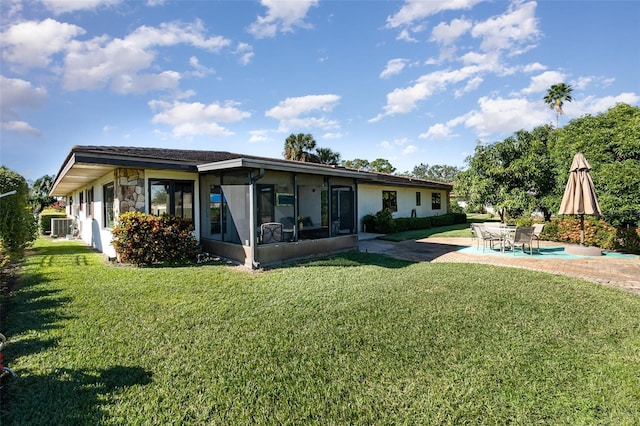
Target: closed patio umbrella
579,194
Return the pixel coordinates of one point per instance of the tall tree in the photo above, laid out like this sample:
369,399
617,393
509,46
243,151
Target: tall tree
437,172
514,175
40,190
327,156
358,164
299,147
383,166
556,96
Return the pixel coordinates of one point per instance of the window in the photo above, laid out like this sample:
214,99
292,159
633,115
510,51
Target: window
81,201
173,197
390,200
108,197
435,201
418,199
90,202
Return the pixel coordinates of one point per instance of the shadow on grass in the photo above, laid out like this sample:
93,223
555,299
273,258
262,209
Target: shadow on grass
355,259
70,397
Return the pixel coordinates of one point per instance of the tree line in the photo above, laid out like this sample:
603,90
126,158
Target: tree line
302,147
529,170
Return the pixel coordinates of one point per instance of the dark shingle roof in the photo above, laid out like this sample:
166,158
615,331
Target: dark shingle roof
98,160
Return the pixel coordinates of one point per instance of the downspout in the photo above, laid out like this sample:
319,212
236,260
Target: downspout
295,207
252,215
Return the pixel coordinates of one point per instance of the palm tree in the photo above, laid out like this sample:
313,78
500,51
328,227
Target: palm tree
298,147
327,156
555,97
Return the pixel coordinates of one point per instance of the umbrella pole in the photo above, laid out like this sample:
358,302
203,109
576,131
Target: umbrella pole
581,229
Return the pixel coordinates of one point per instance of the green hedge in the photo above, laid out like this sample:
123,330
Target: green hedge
383,223
144,239
45,219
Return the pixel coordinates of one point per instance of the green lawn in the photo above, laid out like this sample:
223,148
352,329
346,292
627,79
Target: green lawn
354,339
459,230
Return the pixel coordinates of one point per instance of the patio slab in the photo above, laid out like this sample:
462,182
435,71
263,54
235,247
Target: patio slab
613,269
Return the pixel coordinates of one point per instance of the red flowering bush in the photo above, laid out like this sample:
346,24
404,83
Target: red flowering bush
144,239
597,233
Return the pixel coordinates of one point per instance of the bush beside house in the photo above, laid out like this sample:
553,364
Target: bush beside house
45,219
384,223
144,239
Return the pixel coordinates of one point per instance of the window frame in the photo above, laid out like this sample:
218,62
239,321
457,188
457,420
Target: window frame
108,205
171,186
390,200
436,201
90,202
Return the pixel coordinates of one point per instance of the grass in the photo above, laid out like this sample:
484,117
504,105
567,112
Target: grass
458,230
354,339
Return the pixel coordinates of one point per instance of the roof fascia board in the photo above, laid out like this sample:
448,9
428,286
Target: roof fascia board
132,162
278,166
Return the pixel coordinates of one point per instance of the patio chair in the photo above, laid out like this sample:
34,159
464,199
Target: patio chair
485,237
522,237
335,228
537,230
271,232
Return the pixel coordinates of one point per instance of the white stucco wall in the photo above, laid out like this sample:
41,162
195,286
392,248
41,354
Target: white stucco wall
91,227
370,201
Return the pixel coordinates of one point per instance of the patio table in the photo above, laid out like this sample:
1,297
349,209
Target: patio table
502,231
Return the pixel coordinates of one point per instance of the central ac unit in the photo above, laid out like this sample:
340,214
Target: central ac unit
61,227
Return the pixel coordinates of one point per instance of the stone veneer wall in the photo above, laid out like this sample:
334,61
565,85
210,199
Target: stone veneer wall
130,191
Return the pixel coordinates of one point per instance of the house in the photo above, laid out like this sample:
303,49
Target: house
234,200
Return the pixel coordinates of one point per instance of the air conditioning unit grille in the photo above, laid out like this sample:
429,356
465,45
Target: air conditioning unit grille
61,227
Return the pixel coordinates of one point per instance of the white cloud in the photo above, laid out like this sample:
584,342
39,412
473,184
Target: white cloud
510,30
17,94
394,66
401,101
245,51
191,119
446,34
582,83
20,127
333,135
540,83
593,105
437,131
64,6
281,16
499,115
101,61
305,112
200,70
405,35
32,44
534,67
409,149
258,136
416,10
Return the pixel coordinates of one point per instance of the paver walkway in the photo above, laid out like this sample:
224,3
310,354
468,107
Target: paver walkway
614,272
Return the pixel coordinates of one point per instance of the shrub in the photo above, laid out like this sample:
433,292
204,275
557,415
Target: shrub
597,233
383,221
144,239
5,258
369,223
18,226
45,219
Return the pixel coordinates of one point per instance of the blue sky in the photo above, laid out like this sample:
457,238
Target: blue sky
412,82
